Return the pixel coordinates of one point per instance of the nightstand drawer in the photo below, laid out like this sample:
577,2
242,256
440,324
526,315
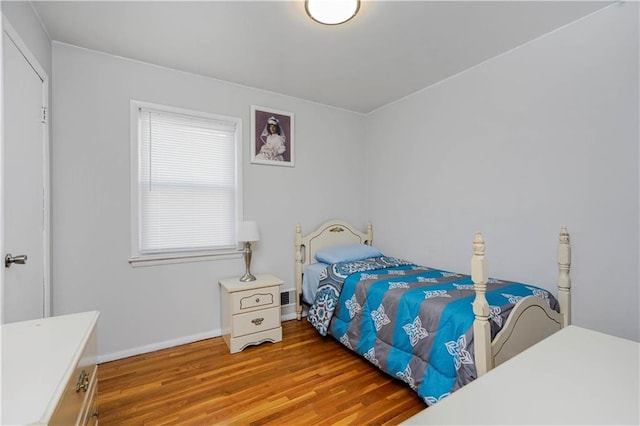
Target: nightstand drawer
253,322
259,298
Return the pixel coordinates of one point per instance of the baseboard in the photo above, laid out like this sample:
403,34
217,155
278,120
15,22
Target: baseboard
158,346
288,317
288,313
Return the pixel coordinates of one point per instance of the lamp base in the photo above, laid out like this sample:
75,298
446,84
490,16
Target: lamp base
247,277
247,263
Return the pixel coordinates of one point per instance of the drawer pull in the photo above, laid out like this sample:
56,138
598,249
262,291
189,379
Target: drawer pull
257,321
83,382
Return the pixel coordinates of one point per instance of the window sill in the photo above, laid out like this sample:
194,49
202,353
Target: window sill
167,259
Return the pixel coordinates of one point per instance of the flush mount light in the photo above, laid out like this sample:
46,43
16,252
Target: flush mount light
332,12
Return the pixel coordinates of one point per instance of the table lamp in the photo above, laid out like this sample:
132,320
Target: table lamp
247,233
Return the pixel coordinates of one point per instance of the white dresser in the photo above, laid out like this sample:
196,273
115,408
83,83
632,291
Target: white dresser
250,311
575,376
49,371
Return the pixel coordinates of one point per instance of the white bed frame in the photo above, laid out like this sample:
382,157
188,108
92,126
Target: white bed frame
530,321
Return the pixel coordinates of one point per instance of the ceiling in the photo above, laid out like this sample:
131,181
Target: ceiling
391,49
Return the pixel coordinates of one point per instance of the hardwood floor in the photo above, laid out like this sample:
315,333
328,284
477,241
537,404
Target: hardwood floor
304,380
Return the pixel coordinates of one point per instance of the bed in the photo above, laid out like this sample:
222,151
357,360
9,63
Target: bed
435,330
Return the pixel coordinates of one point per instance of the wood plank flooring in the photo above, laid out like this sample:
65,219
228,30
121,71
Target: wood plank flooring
306,379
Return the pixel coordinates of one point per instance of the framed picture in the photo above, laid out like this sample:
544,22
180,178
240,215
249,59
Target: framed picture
271,137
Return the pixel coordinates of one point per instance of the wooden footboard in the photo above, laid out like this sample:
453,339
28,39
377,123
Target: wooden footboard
528,323
530,320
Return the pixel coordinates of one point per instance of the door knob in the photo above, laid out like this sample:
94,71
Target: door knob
20,259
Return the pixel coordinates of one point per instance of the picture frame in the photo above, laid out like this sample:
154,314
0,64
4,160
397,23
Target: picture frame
272,146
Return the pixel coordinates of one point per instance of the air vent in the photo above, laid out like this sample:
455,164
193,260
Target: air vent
287,297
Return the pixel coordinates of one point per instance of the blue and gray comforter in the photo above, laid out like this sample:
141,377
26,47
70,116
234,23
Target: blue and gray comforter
413,322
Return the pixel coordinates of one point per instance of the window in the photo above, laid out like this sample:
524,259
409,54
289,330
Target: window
185,183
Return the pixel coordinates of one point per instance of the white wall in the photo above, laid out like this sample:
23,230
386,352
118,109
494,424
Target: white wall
541,137
150,307
26,23
562,108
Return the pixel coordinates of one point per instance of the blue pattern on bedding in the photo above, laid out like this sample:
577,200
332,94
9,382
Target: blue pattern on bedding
330,288
414,323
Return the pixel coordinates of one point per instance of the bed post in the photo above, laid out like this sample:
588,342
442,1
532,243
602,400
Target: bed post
298,272
481,326
564,281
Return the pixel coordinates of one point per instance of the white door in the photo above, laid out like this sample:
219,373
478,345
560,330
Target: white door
25,185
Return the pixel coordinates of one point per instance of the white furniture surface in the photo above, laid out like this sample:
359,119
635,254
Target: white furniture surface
43,362
250,311
575,376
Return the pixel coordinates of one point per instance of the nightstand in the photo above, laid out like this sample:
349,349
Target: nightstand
250,311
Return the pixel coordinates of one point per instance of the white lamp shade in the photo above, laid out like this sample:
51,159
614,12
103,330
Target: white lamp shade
332,12
248,231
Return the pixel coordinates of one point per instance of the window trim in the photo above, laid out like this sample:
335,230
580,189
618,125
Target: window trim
139,259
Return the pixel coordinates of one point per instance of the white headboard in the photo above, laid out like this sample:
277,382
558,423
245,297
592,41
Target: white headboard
332,233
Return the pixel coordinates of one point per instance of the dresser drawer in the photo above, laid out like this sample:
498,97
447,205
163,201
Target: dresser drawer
78,396
260,298
90,412
42,360
253,322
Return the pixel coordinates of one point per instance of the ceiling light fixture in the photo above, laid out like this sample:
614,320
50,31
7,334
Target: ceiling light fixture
332,12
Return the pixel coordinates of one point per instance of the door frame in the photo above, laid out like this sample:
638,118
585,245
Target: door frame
6,27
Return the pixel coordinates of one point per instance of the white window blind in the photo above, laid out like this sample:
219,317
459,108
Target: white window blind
187,183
